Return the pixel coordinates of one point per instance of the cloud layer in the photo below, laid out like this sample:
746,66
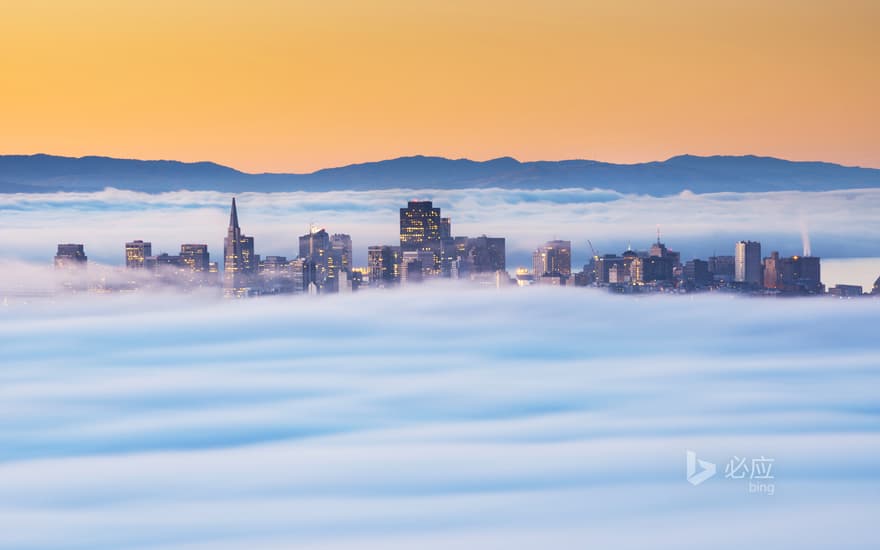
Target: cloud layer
446,417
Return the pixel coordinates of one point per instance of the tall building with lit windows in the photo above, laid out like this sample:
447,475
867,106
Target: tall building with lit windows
315,246
195,256
136,252
552,262
748,267
384,265
421,226
239,261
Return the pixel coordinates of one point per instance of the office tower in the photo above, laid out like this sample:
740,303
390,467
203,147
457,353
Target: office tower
163,261
274,265
302,274
772,271
338,260
340,246
875,290
721,268
420,226
696,272
136,252
445,228
748,268
275,275
384,265
70,256
604,265
657,268
485,254
553,260
195,257
240,262
413,264
846,291
315,246
633,269
800,274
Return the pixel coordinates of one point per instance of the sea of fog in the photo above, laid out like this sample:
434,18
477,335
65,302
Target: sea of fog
837,224
439,417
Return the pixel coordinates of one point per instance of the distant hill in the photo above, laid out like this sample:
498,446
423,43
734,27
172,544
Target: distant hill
46,173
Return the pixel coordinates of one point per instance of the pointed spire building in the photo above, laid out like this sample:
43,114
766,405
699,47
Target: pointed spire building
239,260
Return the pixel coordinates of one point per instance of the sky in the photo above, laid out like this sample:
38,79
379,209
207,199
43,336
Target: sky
436,418
276,85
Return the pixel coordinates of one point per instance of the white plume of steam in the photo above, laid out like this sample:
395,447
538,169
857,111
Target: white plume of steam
805,237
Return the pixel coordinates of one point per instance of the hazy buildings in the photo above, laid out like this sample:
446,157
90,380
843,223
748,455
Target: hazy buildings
195,257
383,262
483,255
136,252
70,256
551,263
800,274
721,268
748,268
772,271
696,273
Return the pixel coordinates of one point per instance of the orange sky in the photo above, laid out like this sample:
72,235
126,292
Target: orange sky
282,85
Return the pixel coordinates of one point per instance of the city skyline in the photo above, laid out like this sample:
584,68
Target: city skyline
428,250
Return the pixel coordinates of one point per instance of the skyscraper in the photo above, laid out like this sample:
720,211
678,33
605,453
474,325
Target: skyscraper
239,260
315,247
553,260
748,268
70,256
420,226
485,254
195,256
801,274
384,265
136,252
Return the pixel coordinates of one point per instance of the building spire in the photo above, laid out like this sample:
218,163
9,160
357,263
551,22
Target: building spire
233,216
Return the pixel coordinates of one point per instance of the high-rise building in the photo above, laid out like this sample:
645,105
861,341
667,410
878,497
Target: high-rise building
70,256
384,265
316,247
340,246
552,260
420,226
721,268
748,268
195,257
302,274
240,263
801,274
696,272
485,254
772,271
136,252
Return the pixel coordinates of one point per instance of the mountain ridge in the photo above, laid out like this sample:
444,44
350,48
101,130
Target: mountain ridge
43,173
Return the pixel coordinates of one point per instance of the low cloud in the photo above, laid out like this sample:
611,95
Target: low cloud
435,417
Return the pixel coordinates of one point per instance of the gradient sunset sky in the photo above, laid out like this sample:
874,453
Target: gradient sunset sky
273,85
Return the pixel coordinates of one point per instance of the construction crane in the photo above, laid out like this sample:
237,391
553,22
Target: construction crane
593,250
